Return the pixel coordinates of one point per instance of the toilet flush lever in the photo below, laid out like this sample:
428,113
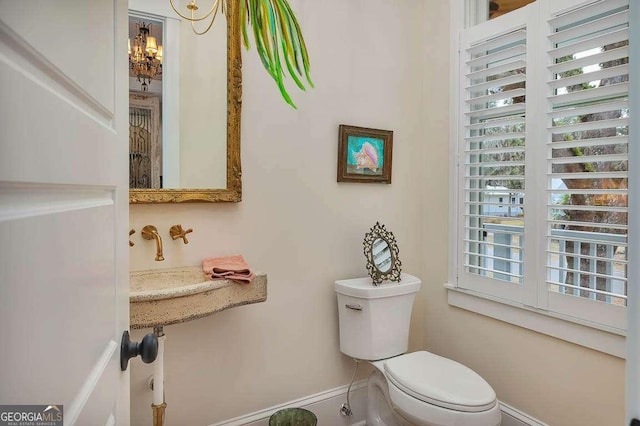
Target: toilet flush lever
354,307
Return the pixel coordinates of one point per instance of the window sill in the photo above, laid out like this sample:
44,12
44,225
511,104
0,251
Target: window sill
581,333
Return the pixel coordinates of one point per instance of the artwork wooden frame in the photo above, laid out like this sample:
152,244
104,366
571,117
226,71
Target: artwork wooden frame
364,155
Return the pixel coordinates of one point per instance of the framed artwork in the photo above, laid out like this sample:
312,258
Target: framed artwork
364,155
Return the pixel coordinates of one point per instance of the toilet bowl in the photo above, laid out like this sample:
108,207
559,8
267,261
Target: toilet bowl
418,388
422,388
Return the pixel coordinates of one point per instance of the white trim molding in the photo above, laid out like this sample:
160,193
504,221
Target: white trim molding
325,405
633,295
574,330
514,417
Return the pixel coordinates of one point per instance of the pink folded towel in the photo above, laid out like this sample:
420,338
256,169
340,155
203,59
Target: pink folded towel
230,267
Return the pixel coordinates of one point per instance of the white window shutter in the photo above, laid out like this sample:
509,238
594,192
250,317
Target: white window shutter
491,149
586,163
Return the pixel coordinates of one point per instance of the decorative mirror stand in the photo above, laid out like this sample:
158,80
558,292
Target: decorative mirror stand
381,251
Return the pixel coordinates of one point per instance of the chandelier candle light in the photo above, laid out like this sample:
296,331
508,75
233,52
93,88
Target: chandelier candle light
145,56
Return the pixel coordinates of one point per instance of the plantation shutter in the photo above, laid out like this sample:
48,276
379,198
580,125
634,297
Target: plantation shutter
588,117
491,153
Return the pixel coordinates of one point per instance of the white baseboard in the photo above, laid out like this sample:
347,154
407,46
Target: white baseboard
514,417
325,405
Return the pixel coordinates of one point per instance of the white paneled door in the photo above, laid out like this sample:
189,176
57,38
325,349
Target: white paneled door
64,207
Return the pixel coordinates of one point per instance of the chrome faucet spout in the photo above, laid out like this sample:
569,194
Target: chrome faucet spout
150,232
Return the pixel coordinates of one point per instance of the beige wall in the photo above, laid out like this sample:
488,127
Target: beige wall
305,231
557,382
296,223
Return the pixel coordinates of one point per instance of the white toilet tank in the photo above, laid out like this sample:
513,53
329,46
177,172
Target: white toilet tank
374,320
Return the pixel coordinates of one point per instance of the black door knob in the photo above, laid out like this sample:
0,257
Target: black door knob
634,422
147,349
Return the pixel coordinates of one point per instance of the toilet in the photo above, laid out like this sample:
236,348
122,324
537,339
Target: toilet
418,388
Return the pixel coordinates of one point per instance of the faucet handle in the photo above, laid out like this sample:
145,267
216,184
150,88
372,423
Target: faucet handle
131,232
176,232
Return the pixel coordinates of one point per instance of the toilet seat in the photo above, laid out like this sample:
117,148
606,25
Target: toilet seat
440,381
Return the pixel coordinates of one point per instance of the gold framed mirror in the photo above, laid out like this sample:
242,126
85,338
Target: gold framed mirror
381,251
233,190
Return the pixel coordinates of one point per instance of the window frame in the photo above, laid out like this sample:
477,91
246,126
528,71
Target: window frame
593,335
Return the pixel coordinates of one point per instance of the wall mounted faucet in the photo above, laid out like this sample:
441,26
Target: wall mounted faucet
150,232
176,232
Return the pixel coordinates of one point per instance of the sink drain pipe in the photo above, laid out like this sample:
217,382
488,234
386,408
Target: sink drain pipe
159,405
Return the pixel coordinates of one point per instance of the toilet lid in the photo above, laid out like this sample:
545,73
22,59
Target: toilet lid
440,381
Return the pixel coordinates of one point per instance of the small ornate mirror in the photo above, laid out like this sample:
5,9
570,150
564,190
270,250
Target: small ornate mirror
381,251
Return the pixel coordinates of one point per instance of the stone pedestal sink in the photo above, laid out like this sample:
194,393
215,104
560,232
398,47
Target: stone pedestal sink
168,296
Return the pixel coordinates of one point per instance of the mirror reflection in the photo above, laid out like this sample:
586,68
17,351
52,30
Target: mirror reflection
194,156
145,148
381,252
178,103
145,137
381,255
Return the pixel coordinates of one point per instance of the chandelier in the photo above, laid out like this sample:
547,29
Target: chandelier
193,7
145,56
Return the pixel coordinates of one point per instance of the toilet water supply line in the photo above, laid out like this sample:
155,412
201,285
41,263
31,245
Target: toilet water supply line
159,405
345,409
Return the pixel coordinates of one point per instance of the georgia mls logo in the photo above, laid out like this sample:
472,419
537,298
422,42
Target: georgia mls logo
31,415
54,410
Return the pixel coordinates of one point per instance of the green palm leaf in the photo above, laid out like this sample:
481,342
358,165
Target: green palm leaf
278,40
